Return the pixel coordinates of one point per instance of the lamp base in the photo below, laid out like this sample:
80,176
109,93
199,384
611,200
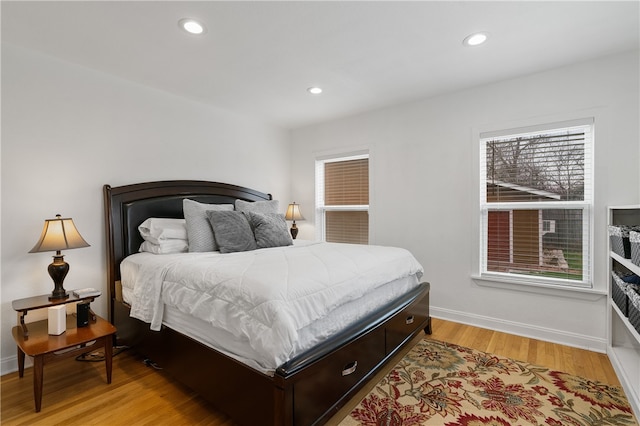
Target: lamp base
58,296
294,231
58,270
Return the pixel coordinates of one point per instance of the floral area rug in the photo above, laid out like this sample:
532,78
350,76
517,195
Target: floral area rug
438,383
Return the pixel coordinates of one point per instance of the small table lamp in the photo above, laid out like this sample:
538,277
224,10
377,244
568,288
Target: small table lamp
58,234
293,213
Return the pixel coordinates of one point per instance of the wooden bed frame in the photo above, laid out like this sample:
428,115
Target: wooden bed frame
306,390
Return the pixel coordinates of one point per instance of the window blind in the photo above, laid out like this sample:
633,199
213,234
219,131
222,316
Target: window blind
343,199
346,182
347,227
536,192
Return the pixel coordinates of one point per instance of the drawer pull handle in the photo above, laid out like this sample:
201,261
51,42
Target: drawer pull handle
409,320
350,368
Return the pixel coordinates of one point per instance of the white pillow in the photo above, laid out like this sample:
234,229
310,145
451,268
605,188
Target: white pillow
198,226
155,230
165,247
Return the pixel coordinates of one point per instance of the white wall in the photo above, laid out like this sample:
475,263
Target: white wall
68,130
424,186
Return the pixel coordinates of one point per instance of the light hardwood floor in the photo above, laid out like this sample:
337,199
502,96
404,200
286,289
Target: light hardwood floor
76,393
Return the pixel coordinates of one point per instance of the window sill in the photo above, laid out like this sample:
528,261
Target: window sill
572,292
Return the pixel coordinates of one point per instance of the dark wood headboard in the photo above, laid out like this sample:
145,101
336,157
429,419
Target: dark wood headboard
126,207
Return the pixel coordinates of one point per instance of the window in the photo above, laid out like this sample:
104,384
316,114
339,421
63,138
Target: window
536,204
548,226
342,199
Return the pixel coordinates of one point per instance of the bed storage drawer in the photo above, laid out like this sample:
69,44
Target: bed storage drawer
404,324
316,390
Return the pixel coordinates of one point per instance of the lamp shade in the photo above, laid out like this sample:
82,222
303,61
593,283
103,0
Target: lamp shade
59,234
293,212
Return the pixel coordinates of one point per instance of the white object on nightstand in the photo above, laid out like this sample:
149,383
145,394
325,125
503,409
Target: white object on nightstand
57,320
86,292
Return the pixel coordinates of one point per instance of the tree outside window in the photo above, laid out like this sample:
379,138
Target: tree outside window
536,204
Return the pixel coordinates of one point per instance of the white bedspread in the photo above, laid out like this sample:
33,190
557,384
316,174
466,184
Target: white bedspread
266,295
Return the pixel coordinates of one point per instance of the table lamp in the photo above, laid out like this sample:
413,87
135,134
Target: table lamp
293,213
58,234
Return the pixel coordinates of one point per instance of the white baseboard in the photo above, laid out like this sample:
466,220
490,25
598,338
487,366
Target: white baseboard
526,330
620,365
10,364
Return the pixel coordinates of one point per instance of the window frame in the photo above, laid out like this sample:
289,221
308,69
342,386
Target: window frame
502,279
320,206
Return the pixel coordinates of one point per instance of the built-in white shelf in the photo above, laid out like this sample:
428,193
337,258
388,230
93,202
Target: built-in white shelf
625,262
624,340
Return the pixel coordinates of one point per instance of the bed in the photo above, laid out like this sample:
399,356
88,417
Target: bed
307,387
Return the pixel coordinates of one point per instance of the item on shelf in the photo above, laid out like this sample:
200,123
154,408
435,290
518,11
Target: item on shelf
634,242
630,278
82,314
86,292
619,236
619,293
634,309
57,321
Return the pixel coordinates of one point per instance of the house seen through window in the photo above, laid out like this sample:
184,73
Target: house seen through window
535,204
342,199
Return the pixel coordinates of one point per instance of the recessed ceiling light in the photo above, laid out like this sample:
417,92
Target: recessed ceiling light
475,39
192,26
314,90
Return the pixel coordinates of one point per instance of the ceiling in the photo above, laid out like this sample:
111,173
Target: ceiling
258,58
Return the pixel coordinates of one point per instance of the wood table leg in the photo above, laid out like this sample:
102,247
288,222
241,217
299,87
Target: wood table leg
20,362
38,366
25,331
108,356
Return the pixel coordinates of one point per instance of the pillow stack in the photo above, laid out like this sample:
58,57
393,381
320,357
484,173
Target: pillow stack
217,227
164,236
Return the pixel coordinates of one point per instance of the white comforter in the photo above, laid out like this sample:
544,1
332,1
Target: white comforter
266,295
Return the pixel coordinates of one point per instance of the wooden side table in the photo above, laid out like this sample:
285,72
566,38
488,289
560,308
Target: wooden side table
44,348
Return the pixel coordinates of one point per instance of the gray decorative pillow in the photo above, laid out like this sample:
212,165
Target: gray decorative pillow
199,230
270,229
267,206
231,231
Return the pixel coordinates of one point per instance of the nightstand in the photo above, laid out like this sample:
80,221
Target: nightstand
33,339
